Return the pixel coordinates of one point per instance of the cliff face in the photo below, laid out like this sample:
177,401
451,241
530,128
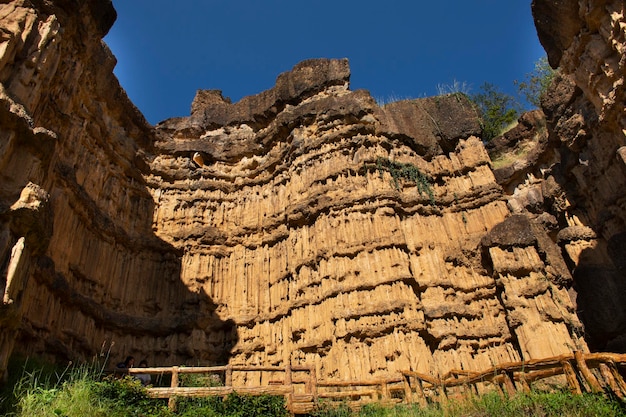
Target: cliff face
587,128
81,264
303,225
295,228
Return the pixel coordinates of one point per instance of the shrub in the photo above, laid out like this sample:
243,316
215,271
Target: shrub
537,82
403,171
324,409
22,373
255,406
126,396
234,405
77,391
71,397
545,404
497,110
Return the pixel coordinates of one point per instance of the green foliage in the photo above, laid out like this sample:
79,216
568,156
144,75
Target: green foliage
254,406
23,373
71,396
324,409
403,410
548,404
400,171
77,391
497,110
537,82
199,407
126,396
199,380
234,405
545,404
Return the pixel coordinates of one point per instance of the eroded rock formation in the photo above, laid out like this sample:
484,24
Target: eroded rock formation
563,165
81,264
303,225
320,260
584,187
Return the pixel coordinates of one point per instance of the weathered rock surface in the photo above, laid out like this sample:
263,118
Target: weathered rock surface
587,120
571,179
320,260
80,262
289,238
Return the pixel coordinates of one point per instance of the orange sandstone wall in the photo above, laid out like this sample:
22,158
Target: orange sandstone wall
287,244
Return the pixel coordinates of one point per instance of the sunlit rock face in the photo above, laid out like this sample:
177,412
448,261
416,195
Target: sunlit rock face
586,120
320,258
304,225
81,266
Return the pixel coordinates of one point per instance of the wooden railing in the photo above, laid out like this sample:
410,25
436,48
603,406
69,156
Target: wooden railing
580,372
298,384
597,372
289,385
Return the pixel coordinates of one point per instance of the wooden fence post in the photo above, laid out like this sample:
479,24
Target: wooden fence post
384,388
523,382
441,389
508,384
408,394
228,377
610,381
314,384
589,377
287,382
171,403
287,375
420,392
617,377
570,375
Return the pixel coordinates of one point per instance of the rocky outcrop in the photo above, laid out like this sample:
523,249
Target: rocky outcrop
563,166
571,178
80,263
321,256
587,126
304,225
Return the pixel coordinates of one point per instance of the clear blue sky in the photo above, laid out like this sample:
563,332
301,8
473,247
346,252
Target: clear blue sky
166,50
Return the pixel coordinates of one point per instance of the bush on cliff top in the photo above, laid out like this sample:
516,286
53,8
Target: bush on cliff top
497,110
537,82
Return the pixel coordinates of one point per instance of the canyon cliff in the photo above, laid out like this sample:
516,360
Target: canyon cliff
306,224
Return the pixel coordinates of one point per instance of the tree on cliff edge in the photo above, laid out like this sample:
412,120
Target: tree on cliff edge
497,110
537,82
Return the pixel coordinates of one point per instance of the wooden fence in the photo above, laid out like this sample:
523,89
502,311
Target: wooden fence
591,372
595,372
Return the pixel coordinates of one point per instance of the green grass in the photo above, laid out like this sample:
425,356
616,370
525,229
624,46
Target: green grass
519,152
80,391
535,404
84,391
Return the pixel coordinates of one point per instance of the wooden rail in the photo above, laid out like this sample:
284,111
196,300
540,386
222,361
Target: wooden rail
595,372
298,384
580,372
